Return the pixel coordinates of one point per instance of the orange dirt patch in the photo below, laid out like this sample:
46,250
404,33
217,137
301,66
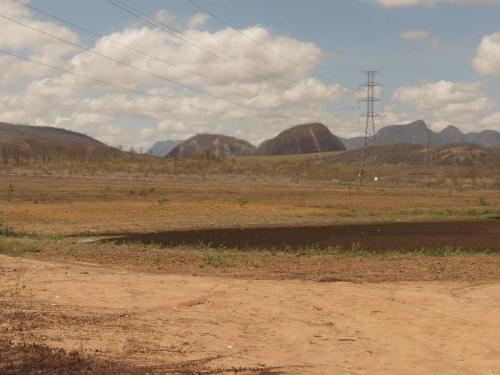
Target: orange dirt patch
281,327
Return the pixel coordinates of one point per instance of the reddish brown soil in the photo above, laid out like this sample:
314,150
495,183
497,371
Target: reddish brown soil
471,236
275,265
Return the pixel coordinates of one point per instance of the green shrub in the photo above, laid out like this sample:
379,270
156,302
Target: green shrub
9,194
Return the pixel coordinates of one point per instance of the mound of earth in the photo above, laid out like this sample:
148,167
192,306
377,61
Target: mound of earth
23,142
411,154
212,145
302,139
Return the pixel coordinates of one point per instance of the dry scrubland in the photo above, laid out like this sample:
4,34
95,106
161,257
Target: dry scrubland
136,309
154,194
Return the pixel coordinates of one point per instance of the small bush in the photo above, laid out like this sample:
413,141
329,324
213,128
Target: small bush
216,259
5,229
483,201
105,191
163,201
9,194
40,197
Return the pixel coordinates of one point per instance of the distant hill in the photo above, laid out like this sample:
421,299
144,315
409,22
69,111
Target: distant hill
212,145
302,139
410,154
19,142
488,138
418,133
162,148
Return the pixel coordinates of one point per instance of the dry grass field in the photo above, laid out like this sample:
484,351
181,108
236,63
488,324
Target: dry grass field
70,306
68,198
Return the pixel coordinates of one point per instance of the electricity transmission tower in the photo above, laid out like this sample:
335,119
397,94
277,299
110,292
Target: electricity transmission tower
429,148
370,100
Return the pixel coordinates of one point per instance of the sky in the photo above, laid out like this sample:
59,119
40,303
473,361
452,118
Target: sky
132,72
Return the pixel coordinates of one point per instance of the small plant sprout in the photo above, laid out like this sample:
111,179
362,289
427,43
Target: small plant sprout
483,201
9,194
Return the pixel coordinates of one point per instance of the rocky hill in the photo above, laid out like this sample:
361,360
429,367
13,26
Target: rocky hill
22,142
212,145
411,154
418,133
162,148
302,139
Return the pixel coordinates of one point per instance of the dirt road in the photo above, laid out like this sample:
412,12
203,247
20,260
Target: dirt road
268,327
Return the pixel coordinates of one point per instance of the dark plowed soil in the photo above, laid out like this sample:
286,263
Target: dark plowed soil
481,236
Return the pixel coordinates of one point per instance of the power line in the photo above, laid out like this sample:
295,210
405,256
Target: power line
221,20
294,24
209,50
100,81
256,41
141,52
136,67
178,34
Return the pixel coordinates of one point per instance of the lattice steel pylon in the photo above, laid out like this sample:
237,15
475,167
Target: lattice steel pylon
371,100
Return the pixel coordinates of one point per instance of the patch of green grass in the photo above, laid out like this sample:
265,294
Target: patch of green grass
41,197
105,191
489,214
143,193
483,201
4,246
9,194
52,237
243,202
6,229
32,247
163,201
220,257
216,259
18,248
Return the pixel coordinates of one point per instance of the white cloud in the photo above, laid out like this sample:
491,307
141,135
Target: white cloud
443,102
402,3
487,59
18,38
420,36
198,20
492,121
438,94
281,93
163,16
415,35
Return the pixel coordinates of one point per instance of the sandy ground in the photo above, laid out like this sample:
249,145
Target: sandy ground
281,327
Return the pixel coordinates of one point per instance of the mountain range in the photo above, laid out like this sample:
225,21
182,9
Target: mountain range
163,148
19,142
418,133
459,154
